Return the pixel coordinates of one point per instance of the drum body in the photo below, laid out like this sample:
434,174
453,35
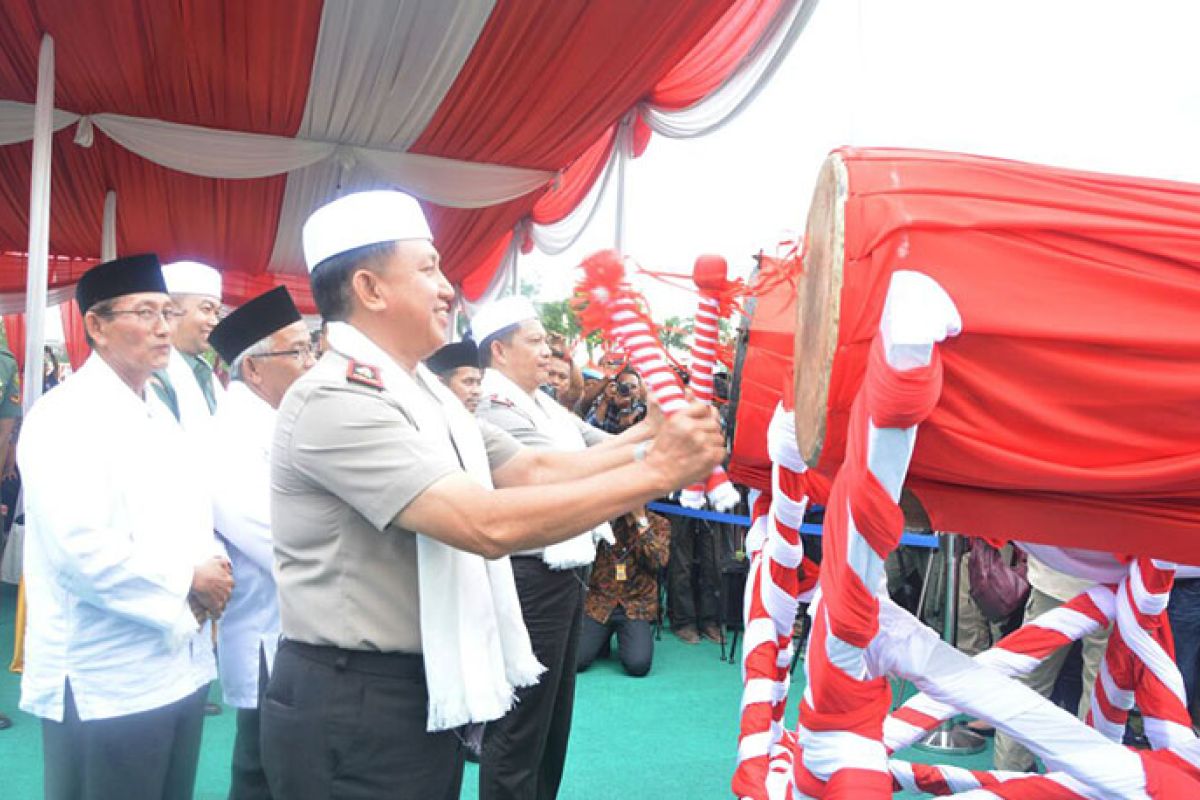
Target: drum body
1070,412
762,377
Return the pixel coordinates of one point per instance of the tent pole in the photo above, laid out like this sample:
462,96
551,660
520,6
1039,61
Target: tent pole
108,234
37,274
624,146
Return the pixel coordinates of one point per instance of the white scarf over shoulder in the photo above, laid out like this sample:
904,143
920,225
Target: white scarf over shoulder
475,644
557,424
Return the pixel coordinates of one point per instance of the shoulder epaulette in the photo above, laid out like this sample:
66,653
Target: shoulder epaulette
497,400
365,374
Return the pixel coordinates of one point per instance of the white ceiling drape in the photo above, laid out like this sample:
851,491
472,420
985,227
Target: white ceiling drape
743,84
379,73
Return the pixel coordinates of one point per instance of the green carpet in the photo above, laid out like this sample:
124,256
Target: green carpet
672,734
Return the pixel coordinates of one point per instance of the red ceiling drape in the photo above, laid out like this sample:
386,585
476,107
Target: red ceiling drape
222,65
14,331
73,334
553,103
544,87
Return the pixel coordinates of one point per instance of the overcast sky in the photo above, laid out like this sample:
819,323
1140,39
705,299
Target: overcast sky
1092,84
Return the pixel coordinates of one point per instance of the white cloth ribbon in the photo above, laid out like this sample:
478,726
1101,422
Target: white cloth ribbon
555,423
475,644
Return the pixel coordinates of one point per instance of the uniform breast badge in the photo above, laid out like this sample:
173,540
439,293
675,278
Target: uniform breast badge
364,374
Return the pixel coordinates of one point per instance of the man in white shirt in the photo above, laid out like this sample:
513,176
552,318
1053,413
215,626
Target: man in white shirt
525,752
187,384
267,346
122,569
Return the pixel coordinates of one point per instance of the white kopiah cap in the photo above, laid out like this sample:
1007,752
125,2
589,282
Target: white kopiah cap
192,277
360,219
498,315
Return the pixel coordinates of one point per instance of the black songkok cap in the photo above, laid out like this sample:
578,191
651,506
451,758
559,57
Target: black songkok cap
122,276
253,321
453,356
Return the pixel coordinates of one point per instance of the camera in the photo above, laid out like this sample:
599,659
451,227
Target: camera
624,389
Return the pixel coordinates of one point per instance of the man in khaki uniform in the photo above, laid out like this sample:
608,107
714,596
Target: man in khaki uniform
401,627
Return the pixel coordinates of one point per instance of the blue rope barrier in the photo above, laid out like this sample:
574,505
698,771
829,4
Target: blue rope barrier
912,539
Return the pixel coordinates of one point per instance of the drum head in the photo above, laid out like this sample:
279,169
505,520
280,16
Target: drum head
818,306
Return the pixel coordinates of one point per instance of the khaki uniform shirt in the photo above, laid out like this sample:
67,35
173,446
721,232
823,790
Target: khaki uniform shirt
346,459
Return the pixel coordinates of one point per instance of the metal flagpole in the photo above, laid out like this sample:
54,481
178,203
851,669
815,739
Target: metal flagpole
624,146
108,233
39,225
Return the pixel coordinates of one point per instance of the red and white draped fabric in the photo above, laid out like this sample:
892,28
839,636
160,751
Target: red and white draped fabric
74,336
843,743
221,125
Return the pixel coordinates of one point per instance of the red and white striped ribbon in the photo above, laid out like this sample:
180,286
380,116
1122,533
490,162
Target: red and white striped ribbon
780,577
1016,654
1139,662
844,703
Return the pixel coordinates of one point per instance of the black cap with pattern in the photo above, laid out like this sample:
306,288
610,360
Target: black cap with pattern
255,320
121,276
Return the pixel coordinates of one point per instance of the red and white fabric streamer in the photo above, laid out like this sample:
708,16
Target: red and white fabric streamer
1016,654
779,579
1139,662
717,299
859,636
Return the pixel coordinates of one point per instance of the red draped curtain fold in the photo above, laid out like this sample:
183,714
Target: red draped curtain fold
73,334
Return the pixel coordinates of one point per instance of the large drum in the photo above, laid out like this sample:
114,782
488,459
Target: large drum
1070,412
761,376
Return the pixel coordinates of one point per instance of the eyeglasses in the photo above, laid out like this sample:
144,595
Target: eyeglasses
302,353
149,316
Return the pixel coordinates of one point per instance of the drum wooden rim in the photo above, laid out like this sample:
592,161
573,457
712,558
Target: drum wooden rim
818,307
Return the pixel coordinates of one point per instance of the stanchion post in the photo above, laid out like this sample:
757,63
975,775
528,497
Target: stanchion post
951,738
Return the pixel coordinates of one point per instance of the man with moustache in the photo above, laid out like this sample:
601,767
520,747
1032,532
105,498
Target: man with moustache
121,566
268,347
393,511
524,753
187,385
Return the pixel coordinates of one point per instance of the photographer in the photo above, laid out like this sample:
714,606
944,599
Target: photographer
622,593
621,403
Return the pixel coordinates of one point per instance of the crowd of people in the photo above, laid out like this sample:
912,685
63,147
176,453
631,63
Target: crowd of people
395,552
386,578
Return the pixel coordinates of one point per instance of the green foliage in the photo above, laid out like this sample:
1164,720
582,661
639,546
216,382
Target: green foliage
675,333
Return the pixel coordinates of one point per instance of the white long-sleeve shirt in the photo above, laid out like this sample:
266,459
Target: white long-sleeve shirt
244,425
193,408
118,515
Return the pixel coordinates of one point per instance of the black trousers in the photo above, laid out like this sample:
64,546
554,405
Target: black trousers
635,642
248,781
525,752
693,599
151,755
350,725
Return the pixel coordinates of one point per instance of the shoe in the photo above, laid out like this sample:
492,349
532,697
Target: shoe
687,634
712,633
212,710
5,722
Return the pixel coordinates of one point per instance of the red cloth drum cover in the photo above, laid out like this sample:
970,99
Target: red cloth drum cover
1070,412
